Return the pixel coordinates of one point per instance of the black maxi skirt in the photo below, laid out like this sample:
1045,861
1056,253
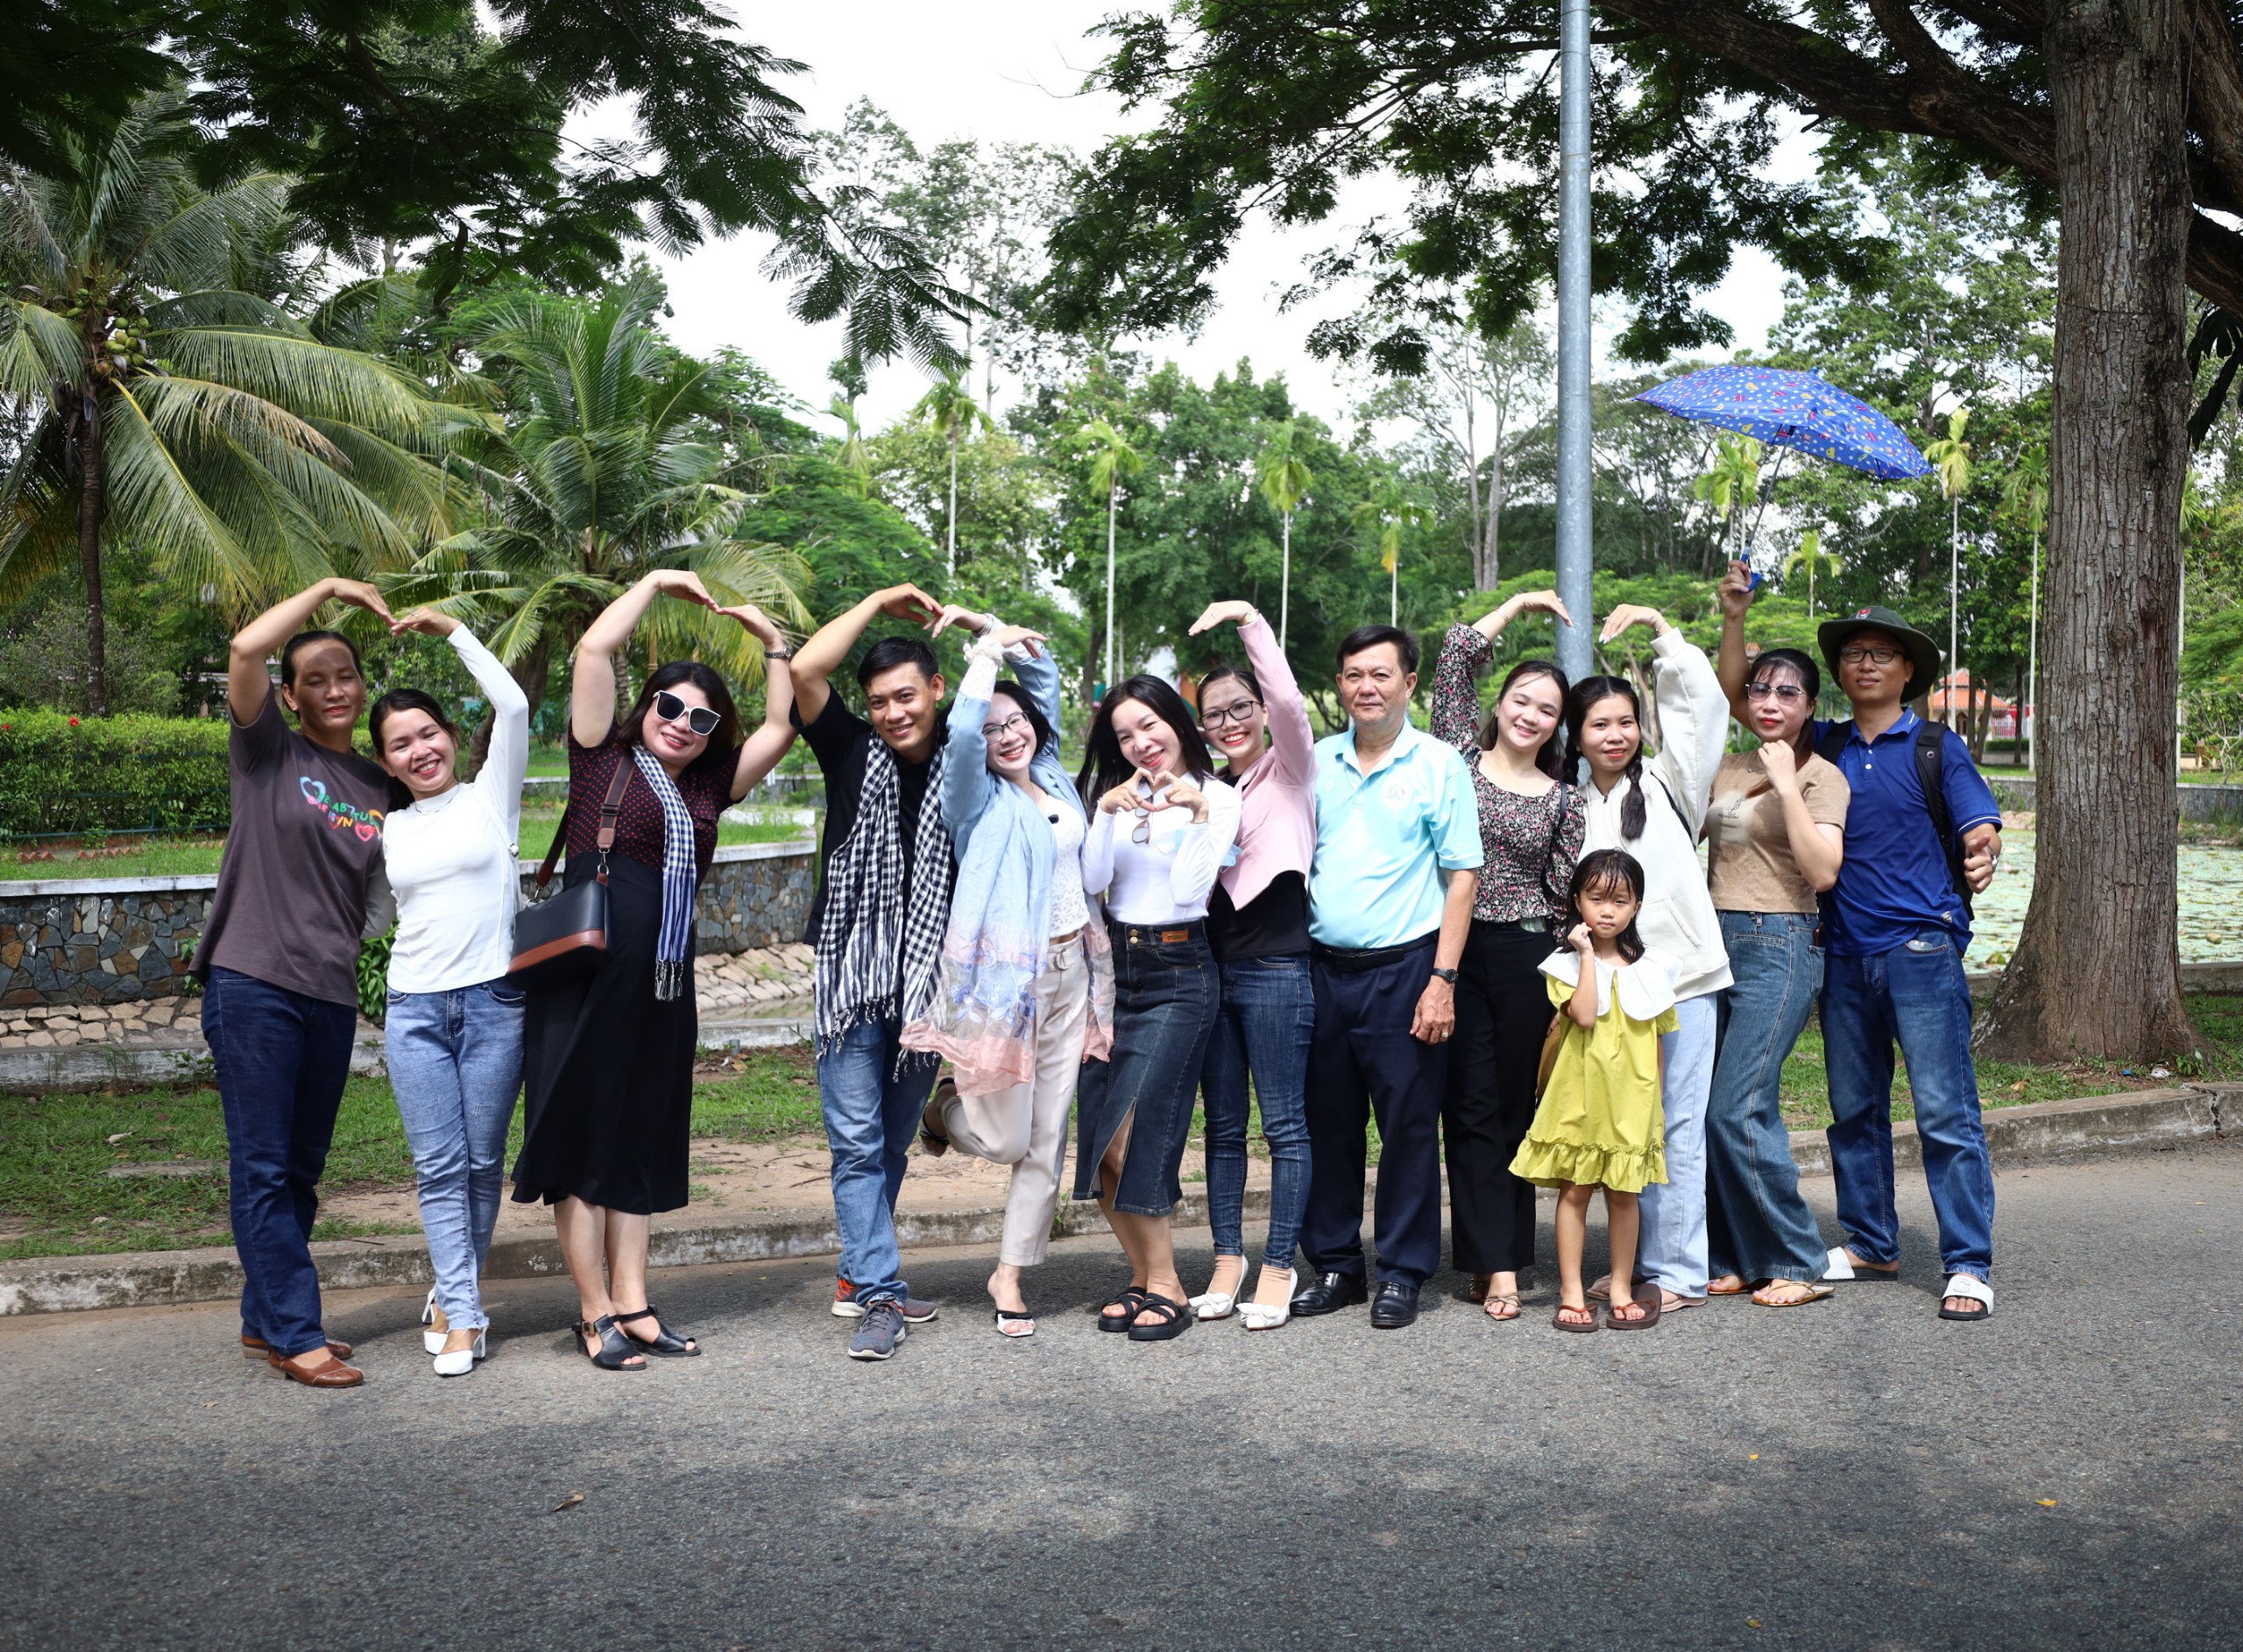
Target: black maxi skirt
608,1070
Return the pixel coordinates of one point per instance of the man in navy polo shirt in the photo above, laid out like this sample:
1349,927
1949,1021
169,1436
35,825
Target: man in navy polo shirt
1894,929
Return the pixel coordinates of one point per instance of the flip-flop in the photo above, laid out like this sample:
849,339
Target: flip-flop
1493,1297
1817,1290
1649,1302
1976,1289
1842,1270
1559,1319
1742,1288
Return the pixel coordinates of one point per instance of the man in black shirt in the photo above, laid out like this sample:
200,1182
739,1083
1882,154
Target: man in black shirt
877,920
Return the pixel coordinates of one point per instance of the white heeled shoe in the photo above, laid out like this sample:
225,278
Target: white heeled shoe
459,1362
432,1341
1261,1315
1218,1305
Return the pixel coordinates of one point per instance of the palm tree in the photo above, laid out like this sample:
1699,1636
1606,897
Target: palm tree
1112,458
950,407
1809,553
607,467
175,402
2024,501
1731,483
1391,511
856,457
1285,481
1950,459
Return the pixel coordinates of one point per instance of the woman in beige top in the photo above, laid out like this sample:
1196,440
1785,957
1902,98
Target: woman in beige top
1775,829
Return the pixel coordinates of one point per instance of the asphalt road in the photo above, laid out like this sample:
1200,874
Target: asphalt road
1853,1475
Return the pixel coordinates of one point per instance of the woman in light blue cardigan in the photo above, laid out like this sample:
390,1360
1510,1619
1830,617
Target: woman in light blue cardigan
1024,990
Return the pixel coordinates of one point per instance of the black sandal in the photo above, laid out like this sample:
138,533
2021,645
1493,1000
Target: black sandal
665,1341
1175,1319
616,1350
1007,1318
931,1134
1127,1307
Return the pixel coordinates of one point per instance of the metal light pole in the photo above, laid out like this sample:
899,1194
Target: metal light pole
1575,551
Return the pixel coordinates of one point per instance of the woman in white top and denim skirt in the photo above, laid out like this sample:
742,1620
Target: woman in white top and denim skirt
1160,834
452,1033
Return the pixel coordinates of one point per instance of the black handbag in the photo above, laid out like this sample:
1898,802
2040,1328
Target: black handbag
566,936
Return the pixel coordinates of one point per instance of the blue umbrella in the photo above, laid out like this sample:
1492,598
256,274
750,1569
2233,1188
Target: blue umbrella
1788,409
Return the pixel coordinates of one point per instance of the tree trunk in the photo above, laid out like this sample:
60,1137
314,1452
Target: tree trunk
1491,564
89,548
2097,970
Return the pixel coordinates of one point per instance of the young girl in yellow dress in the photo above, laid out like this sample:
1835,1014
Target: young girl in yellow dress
1599,1124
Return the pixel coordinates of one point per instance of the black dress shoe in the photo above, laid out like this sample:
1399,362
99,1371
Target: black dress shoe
1395,1306
1328,1294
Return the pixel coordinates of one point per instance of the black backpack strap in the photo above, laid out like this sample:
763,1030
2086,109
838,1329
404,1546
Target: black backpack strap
1676,807
1833,742
1931,751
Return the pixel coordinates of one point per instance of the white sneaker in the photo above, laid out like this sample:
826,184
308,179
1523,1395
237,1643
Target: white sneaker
459,1362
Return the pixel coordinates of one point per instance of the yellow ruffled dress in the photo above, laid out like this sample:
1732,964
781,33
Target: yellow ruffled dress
1601,1123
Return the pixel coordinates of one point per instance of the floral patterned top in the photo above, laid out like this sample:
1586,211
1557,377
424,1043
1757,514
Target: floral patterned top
1530,842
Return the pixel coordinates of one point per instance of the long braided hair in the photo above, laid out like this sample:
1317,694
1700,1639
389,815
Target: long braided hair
1586,693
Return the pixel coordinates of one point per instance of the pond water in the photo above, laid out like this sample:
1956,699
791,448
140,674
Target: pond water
2211,903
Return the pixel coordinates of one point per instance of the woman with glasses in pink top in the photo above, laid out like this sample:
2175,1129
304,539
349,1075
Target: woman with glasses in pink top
1256,721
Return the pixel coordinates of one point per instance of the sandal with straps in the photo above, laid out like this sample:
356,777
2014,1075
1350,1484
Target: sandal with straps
1175,1319
1127,1306
665,1341
616,1350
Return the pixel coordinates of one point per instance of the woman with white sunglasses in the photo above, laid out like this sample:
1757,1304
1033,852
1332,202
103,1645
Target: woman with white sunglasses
609,1053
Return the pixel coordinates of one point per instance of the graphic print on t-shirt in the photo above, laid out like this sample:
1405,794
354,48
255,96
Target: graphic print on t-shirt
367,822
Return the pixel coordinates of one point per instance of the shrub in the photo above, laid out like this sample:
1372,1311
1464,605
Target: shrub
59,774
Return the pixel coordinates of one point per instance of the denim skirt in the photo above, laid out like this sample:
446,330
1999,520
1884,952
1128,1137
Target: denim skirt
1166,996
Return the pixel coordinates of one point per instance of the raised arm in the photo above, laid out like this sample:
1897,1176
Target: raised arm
591,691
820,658
1293,743
248,681
966,763
1731,667
1692,710
768,742
499,783
1464,654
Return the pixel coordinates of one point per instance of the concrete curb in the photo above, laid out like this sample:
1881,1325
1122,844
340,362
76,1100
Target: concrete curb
2016,1135
82,1067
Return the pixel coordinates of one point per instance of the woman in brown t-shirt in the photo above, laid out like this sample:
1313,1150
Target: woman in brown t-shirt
1775,828
608,1056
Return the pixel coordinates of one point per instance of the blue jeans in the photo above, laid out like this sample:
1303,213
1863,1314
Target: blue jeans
872,1113
456,1063
1266,1017
1914,994
1671,1252
1165,1009
1757,1225
282,1059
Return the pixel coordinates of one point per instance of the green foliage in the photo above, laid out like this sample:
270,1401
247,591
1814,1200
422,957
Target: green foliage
373,976
59,774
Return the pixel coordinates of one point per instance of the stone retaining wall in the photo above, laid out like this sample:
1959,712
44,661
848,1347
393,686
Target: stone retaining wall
2222,804
114,940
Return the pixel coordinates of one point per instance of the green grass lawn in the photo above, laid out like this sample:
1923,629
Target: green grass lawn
56,1197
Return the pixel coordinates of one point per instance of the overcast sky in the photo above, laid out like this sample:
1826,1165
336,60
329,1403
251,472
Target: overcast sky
1010,70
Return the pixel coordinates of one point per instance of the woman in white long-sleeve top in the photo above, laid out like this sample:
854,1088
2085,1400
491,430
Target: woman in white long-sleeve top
1653,805
454,1028
1159,835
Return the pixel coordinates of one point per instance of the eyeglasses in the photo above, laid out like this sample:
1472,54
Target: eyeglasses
1143,831
1011,724
1875,653
1787,692
698,718
1213,718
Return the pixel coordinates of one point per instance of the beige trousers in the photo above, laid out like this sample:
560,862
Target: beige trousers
1026,1126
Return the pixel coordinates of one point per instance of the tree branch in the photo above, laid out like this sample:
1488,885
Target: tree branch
2216,97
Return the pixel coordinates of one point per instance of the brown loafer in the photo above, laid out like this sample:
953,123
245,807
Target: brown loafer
330,1373
258,1348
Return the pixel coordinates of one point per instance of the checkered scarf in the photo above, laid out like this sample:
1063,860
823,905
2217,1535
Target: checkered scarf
680,874
865,930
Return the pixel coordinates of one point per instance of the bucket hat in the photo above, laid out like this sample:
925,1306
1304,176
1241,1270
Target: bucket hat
1923,653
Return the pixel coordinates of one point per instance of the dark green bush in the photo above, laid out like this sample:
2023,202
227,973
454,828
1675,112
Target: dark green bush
59,774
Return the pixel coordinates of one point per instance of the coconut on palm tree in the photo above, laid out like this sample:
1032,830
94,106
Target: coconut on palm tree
607,466
175,401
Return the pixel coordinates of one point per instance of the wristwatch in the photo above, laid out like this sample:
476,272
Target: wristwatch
1448,976
779,654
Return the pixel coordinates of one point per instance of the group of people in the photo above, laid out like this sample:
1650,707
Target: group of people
1496,939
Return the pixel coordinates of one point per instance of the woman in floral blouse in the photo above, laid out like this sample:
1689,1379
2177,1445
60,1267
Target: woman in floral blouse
1530,832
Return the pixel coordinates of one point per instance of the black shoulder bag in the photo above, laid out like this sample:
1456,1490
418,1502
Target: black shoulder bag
566,936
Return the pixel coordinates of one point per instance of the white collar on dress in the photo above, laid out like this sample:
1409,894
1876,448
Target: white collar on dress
1646,986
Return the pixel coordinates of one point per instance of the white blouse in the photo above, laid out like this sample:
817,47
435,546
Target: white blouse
450,858
1167,879
1069,910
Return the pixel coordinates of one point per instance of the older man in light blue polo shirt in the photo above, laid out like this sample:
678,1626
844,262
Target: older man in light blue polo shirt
1397,860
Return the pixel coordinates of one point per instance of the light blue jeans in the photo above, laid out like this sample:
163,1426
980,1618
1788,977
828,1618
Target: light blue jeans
872,1113
456,1063
1671,1252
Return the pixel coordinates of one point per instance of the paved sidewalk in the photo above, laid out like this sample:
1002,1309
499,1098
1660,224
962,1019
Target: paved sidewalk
1855,1474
